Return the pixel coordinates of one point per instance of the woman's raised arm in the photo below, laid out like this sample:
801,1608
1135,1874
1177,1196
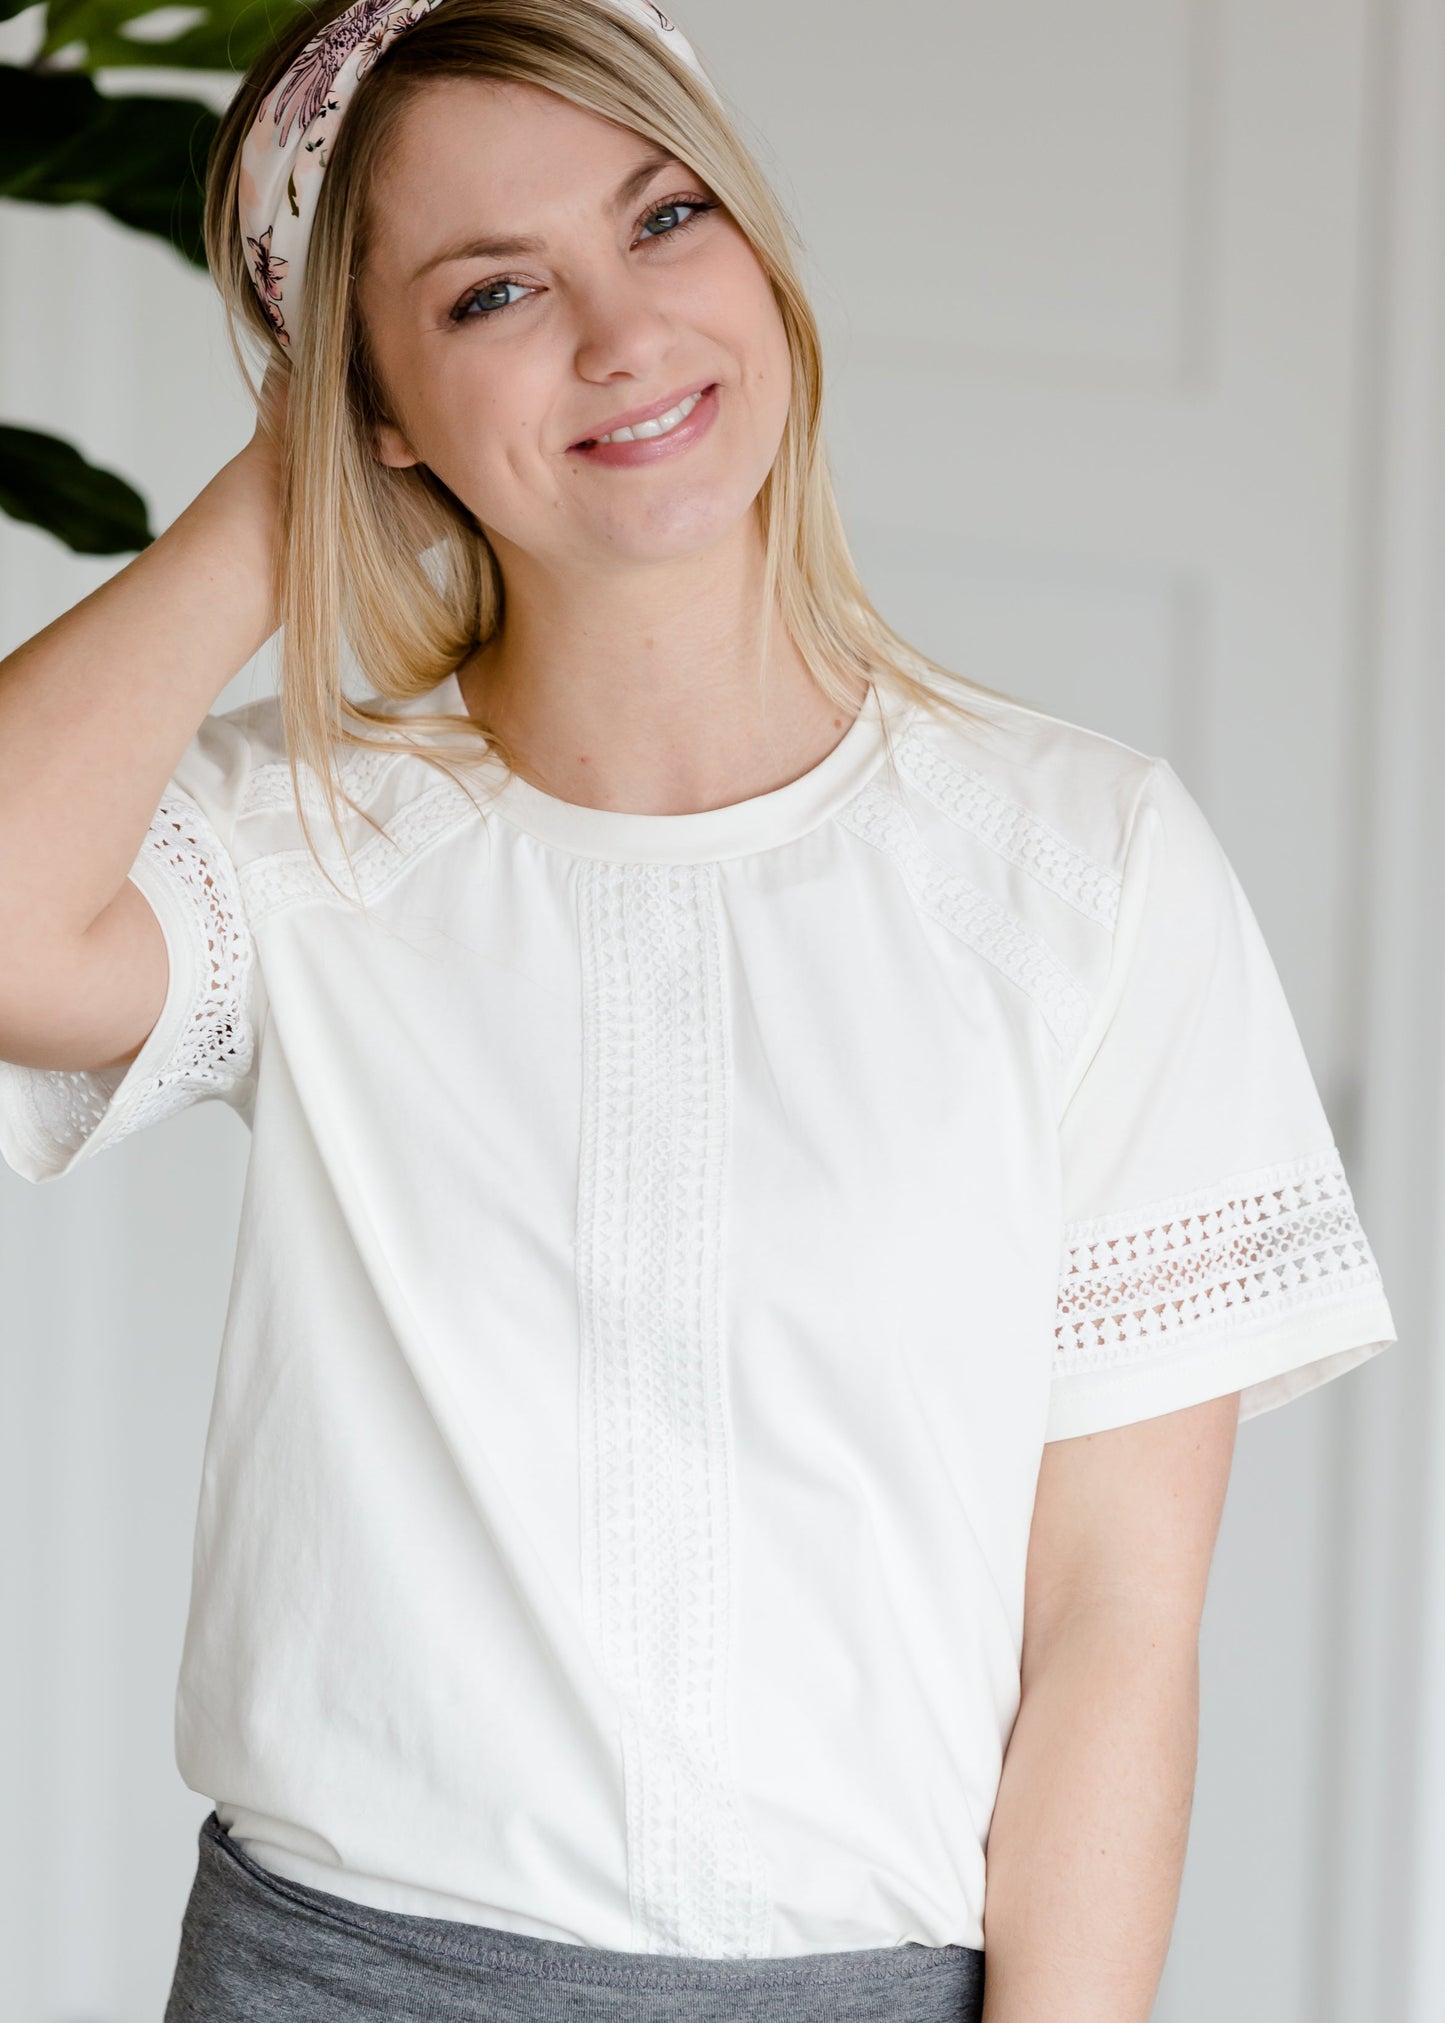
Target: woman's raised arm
95,712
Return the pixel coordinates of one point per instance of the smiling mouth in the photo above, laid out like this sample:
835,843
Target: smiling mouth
647,431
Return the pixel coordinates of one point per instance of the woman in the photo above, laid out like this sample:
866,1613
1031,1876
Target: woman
775,1171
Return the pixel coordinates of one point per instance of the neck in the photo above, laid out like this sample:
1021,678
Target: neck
641,689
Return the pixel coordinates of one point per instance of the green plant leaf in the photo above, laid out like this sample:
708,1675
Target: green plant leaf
68,21
141,159
233,32
48,483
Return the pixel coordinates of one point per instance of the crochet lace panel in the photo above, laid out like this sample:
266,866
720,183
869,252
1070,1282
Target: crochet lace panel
656,1496
1013,948
291,877
269,789
1265,1245
1010,830
214,1048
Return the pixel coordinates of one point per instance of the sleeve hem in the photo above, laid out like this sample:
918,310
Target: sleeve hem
1267,1366
26,1145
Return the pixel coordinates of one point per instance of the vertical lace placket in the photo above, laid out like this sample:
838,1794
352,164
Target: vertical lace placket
656,1473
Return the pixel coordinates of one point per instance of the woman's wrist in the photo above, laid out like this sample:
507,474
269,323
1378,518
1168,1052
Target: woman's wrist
232,525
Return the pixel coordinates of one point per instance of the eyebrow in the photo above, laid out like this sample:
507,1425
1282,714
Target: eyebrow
509,245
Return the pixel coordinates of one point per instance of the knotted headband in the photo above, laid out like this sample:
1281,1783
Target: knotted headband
283,156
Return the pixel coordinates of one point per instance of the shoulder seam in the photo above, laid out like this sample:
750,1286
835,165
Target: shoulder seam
1013,831
269,788
280,879
1107,992
1013,703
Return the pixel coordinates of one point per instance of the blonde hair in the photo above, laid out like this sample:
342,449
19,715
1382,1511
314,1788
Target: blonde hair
355,531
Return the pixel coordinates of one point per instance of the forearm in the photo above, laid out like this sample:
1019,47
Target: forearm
96,708
1086,1846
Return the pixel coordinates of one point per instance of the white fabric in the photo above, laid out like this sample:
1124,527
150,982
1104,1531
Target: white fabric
668,1243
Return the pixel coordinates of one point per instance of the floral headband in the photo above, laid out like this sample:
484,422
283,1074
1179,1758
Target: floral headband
284,154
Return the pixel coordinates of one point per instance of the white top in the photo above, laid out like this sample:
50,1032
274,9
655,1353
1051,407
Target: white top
668,1242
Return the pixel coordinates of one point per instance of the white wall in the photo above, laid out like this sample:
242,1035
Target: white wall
1134,313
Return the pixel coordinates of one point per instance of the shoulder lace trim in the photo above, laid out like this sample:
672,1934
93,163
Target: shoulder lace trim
1254,1249
269,789
213,1050
1014,949
1013,832
290,877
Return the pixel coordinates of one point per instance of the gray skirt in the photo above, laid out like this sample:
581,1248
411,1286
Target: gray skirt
258,1948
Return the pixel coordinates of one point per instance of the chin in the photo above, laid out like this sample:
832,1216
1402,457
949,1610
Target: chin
668,528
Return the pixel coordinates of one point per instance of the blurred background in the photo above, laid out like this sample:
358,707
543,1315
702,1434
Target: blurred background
1136,324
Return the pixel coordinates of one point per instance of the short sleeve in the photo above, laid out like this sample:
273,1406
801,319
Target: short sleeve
1210,1239
203,1044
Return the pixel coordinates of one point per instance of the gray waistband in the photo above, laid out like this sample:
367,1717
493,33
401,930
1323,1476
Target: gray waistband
258,1948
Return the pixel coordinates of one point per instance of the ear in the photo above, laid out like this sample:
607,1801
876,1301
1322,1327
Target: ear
392,447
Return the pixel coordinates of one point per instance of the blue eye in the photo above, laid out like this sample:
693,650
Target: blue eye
476,298
678,204
479,296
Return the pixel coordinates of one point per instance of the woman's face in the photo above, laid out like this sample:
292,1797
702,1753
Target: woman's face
497,363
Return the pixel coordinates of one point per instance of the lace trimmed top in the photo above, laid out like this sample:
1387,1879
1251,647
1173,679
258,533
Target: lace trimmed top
669,1242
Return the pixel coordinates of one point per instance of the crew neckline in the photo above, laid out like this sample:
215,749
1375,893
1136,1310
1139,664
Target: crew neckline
760,822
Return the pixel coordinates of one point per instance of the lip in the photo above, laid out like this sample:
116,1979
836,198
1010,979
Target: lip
636,414
643,452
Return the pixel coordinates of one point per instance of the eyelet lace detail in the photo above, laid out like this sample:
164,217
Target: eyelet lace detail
213,1051
1254,1249
65,1106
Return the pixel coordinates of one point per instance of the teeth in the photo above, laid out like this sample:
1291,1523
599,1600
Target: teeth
659,427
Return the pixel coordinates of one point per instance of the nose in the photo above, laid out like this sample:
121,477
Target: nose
623,330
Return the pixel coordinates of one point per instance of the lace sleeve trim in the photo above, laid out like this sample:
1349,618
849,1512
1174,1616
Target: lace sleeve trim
203,1044
1254,1249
